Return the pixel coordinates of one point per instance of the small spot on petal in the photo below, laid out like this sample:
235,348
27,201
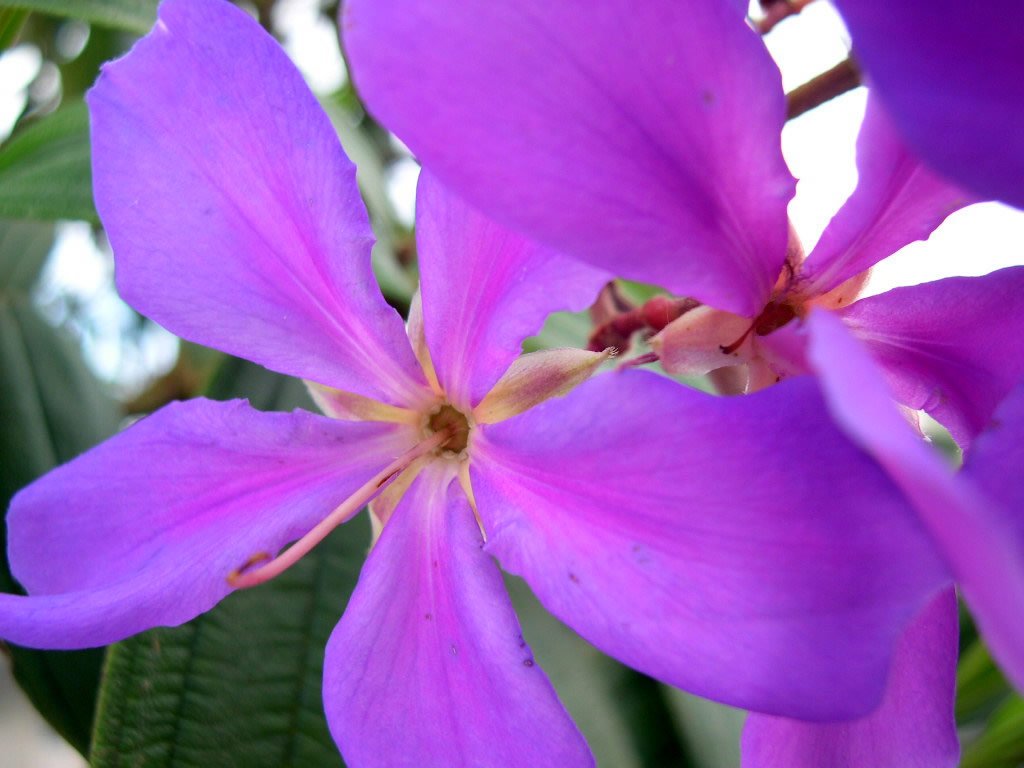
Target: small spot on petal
454,650
428,616
527,662
574,578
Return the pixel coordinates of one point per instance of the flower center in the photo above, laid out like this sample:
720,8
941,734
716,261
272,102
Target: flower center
775,315
447,418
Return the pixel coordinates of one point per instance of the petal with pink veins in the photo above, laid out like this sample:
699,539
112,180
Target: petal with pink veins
740,548
143,530
428,667
643,138
233,212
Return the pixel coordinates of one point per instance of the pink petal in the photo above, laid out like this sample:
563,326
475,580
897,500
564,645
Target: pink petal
233,213
951,347
739,548
978,536
913,728
950,75
485,289
428,666
144,529
643,138
897,200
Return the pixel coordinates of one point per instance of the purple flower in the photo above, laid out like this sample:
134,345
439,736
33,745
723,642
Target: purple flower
644,139
654,520
952,76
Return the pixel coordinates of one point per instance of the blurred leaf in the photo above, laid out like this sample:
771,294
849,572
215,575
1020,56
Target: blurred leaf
265,390
51,409
562,329
638,293
711,731
240,685
78,75
44,169
24,246
11,21
397,283
622,713
1001,744
133,15
980,686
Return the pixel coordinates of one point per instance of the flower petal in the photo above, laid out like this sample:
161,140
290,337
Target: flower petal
428,666
739,548
913,728
643,138
950,347
897,200
979,537
950,76
232,210
484,290
144,529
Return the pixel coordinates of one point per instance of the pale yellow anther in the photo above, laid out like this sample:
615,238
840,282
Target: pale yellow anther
534,378
418,339
347,406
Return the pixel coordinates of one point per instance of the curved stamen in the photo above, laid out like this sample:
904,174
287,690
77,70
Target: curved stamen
243,578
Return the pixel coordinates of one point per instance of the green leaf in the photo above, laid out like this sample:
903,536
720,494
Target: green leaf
711,731
265,390
1001,744
561,329
132,15
980,686
24,246
623,714
51,409
396,282
44,169
11,22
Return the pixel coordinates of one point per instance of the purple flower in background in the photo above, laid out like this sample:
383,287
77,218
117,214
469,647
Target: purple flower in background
654,520
644,139
951,74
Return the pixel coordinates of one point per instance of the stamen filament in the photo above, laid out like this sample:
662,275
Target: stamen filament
243,578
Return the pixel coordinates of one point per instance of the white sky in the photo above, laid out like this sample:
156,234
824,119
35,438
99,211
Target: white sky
818,146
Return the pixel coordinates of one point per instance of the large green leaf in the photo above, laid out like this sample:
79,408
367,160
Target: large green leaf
1001,743
24,246
132,15
396,282
44,169
980,686
51,409
624,715
11,21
